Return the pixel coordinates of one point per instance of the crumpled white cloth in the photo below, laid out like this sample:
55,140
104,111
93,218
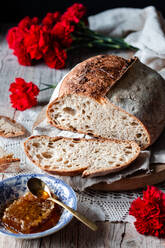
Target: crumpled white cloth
144,28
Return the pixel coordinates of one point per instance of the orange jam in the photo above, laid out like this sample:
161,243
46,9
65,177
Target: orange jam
29,214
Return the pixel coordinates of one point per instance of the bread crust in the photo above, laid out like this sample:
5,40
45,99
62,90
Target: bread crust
11,135
101,100
8,159
75,172
95,76
141,92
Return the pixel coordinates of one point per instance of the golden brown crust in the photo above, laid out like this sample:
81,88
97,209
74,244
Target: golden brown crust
8,159
104,172
75,172
95,76
11,135
64,173
101,100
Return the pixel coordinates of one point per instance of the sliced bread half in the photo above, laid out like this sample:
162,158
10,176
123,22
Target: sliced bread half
110,97
10,128
76,112
91,157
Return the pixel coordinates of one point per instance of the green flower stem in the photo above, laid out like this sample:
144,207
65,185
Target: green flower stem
95,43
117,41
83,30
101,43
80,38
80,45
49,86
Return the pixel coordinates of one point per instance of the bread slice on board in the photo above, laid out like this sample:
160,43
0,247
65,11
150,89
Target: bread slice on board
110,97
91,157
10,128
6,158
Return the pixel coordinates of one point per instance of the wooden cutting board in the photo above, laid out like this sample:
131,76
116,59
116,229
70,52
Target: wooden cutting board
135,182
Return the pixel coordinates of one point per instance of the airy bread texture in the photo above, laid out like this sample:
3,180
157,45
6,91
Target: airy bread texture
101,119
10,128
91,157
111,97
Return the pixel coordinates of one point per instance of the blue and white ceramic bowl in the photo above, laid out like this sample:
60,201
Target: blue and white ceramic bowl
14,187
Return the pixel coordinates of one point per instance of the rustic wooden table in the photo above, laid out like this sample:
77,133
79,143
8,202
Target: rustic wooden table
75,234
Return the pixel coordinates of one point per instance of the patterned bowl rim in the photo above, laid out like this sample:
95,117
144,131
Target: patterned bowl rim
59,225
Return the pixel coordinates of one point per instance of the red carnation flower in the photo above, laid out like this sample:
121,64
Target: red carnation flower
45,39
62,32
15,36
23,95
74,13
26,23
152,227
11,37
56,57
22,55
51,18
37,41
150,212
15,40
31,42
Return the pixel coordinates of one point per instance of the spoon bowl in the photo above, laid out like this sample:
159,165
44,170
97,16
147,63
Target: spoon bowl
38,188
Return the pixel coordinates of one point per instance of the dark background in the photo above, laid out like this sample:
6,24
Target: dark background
13,11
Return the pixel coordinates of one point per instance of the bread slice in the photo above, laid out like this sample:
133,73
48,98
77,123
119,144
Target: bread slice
6,158
91,157
110,97
101,119
10,128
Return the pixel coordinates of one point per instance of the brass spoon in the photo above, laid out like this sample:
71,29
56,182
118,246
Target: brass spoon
38,188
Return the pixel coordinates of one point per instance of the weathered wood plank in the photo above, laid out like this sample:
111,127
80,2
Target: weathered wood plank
7,111
108,235
6,242
132,239
73,236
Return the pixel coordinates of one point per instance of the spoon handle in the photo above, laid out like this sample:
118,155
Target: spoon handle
76,214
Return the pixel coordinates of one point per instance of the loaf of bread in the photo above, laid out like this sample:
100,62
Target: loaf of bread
10,128
110,97
91,157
